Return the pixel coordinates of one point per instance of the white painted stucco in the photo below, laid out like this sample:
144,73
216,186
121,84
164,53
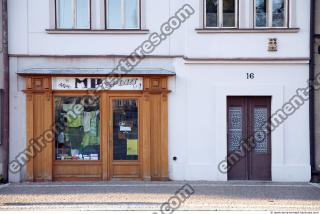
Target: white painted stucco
197,118
197,103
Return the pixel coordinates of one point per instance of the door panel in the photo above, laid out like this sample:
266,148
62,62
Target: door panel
236,132
246,118
260,156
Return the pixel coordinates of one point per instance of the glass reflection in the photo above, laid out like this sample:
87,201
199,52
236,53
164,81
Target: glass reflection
278,11
212,13
261,13
229,13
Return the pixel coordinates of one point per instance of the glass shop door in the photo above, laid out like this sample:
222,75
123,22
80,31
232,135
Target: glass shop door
124,145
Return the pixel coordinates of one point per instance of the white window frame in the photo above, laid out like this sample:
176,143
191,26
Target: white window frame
269,14
220,15
123,16
74,15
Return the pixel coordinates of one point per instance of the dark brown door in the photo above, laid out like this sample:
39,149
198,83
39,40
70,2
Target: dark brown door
249,142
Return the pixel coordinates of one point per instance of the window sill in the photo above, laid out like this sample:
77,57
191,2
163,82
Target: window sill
78,31
247,30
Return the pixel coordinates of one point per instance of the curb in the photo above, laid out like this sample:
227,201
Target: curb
4,185
315,185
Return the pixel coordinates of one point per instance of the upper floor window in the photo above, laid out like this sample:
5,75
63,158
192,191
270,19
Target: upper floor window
271,13
123,14
73,14
221,13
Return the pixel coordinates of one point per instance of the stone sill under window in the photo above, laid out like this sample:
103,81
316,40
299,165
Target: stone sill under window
247,30
84,31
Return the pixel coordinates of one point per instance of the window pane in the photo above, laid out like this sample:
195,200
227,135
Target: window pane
278,10
235,128
65,14
212,13
125,129
114,14
83,20
77,124
261,13
229,13
261,137
131,14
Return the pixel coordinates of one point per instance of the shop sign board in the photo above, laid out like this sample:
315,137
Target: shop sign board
102,83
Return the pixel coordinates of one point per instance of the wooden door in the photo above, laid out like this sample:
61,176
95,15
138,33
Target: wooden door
249,142
125,145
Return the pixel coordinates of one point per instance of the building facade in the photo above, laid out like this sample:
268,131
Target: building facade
196,107
317,94
4,92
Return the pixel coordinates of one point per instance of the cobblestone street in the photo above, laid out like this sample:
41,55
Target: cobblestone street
260,196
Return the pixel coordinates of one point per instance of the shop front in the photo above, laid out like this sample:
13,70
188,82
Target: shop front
119,131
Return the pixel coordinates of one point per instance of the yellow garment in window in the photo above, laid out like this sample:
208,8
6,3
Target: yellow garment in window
132,147
74,121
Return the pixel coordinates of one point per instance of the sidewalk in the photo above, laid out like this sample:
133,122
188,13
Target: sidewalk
151,195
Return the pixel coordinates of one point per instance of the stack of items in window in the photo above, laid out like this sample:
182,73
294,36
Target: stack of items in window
77,128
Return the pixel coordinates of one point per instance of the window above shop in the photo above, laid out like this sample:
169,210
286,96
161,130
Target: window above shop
256,16
123,14
271,13
221,13
96,17
73,14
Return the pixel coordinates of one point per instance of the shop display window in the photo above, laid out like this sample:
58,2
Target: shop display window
77,126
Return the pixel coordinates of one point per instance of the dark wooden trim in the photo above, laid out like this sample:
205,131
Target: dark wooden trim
247,30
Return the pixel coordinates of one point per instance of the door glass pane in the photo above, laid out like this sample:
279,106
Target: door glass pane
65,14
125,129
212,13
261,13
260,118
77,125
278,11
229,13
131,14
114,14
235,128
83,20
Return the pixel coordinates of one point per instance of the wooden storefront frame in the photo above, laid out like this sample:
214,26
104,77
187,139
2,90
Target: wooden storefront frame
153,131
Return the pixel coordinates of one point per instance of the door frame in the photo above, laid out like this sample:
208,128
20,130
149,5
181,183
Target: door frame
109,139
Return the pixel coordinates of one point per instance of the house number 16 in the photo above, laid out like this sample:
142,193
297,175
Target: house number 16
250,76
